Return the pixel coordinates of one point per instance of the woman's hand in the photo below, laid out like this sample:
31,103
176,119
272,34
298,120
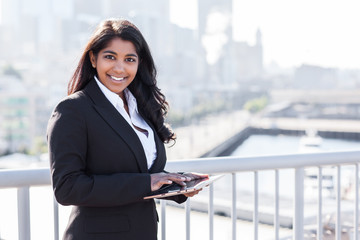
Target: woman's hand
194,176
159,179
191,194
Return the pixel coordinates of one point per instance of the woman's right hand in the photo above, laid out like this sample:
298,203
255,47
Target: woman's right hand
159,179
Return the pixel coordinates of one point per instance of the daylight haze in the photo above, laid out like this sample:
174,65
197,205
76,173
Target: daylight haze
212,57
244,78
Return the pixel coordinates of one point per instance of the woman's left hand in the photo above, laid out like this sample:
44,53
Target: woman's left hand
191,194
194,176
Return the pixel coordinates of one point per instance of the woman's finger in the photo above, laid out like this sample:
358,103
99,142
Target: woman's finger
159,179
194,176
191,194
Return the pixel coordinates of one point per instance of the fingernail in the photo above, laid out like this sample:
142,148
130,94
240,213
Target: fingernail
182,179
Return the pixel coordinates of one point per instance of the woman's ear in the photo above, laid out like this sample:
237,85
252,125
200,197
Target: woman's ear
92,59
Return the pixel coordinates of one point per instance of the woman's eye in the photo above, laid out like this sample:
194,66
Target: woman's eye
130,60
110,57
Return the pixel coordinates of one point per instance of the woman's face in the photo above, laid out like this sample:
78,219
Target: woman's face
116,65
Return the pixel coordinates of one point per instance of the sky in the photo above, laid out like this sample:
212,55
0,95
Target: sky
294,32
0,11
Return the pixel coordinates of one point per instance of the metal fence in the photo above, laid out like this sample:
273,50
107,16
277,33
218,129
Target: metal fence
24,179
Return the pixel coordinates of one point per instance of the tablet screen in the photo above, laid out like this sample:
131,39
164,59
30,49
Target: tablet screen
175,189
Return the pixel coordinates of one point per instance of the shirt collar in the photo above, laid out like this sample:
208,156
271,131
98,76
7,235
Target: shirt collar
131,100
116,99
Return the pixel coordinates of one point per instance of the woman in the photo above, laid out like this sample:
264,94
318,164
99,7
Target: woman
106,139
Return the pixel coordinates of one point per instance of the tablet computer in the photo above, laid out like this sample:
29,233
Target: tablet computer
173,189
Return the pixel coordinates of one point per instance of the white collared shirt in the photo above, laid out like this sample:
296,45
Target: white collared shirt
133,119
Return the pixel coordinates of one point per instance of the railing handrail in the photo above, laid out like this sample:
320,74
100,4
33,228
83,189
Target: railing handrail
15,178
258,163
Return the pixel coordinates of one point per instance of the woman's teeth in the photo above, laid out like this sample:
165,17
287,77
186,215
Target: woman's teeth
117,79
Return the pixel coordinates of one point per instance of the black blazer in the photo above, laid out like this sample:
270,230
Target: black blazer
99,166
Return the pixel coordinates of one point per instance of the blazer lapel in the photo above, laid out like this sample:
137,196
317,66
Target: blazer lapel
160,160
109,113
159,163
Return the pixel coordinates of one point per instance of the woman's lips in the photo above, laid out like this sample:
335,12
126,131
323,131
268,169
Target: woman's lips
117,79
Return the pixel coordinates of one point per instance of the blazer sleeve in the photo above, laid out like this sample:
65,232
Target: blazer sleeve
178,198
67,142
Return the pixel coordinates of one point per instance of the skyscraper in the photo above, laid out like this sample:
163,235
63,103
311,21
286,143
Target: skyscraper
210,7
215,33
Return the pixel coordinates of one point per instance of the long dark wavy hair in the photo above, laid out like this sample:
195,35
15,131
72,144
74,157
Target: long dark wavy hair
151,102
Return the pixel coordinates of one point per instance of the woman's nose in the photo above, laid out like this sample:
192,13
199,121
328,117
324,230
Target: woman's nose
119,66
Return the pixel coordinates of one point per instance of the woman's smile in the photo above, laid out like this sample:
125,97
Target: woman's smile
118,78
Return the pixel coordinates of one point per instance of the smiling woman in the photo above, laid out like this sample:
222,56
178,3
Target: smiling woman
106,139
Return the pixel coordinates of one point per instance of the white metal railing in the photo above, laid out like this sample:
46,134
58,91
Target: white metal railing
24,179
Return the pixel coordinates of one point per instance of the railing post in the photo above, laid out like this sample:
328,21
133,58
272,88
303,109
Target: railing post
319,220
298,220
233,206
356,211
211,212
256,205
56,220
187,209
338,227
163,219
23,202
276,206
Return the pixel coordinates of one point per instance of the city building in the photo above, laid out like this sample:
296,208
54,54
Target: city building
21,116
315,77
44,39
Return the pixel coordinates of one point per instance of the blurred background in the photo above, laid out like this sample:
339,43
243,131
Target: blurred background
243,77
292,58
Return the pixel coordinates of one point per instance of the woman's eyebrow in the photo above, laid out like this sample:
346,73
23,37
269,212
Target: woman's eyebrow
111,52
114,53
131,55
